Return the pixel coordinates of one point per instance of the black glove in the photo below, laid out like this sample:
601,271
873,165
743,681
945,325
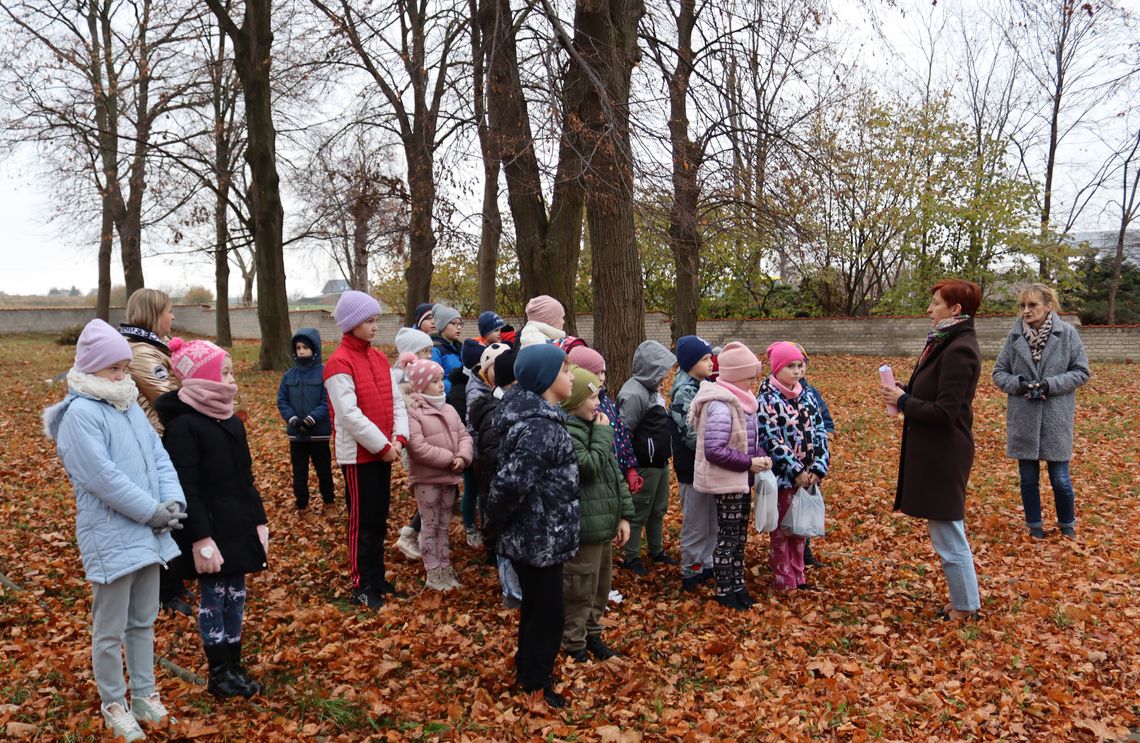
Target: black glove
293,422
310,423
1022,385
1044,387
1035,392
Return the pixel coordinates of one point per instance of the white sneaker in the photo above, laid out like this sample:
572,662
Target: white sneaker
436,580
409,543
121,723
450,578
149,710
474,538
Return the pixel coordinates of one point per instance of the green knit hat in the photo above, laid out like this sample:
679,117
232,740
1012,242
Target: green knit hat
585,384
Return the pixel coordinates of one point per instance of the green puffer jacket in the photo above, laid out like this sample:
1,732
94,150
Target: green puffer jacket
605,498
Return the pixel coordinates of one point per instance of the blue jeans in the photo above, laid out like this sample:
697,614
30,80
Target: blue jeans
1063,496
949,539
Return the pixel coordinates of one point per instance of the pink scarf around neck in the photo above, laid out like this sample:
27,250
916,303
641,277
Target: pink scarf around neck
747,401
213,399
789,392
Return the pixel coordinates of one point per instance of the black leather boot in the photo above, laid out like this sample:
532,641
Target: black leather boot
222,684
249,686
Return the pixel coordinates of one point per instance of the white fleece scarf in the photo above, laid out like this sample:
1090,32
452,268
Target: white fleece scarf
119,394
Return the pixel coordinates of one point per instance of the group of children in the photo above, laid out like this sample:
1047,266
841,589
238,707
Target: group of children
555,475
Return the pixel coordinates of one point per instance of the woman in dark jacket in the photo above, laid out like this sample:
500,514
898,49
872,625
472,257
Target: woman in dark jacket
225,532
1040,367
938,436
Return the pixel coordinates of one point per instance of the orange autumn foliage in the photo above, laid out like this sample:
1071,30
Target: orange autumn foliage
1057,655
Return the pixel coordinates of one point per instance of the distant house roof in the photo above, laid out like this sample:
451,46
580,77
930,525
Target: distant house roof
1103,242
335,286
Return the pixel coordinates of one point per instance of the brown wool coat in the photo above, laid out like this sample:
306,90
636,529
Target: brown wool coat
938,436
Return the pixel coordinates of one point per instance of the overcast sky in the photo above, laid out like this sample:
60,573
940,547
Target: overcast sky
37,257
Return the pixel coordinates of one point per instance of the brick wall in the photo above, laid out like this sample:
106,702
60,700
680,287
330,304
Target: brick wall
870,336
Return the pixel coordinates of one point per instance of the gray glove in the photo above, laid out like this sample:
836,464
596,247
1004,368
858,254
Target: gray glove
169,516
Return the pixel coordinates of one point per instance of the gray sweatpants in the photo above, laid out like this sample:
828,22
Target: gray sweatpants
698,530
122,616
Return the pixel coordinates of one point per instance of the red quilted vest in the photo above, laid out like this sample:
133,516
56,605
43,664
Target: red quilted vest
373,379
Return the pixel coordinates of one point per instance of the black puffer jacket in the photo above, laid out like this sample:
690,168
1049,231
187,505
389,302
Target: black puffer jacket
532,508
480,419
216,473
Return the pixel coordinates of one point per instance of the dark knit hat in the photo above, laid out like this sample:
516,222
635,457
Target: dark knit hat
489,322
505,368
472,352
422,311
690,350
537,366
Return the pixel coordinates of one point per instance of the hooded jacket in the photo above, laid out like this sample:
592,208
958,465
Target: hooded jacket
150,368
643,408
727,441
605,498
302,391
436,437
533,512
793,434
480,421
119,473
684,436
216,471
1042,429
447,354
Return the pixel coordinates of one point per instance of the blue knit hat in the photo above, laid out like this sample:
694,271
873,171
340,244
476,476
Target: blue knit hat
489,322
537,366
472,352
353,308
690,350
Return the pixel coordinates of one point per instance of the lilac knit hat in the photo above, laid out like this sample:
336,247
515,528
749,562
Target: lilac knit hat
353,308
99,346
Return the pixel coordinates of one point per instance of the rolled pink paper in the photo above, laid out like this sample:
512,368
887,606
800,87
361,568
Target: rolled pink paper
887,377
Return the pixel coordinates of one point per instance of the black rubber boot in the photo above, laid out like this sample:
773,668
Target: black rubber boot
249,685
222,684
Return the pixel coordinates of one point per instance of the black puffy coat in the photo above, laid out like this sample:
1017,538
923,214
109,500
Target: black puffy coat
215,470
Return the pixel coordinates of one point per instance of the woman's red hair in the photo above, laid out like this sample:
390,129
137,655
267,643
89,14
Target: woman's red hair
959,291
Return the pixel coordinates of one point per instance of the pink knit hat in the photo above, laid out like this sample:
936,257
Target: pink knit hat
737,363
100,346
196,360
421,371
545,309
588,359
782,353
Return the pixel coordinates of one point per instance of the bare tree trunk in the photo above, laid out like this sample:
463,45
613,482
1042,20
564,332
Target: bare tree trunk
106,247
421,236
222,260
361,219
606,41
491,230
253,44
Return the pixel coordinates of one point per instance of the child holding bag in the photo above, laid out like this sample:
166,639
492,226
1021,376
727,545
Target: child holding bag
792,432
439,449
728,456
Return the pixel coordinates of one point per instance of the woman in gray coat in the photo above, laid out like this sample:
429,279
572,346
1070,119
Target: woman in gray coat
1041,365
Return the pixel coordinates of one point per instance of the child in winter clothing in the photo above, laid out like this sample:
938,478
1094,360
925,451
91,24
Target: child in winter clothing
490,327
439,449
606,508
370,429
466,384
792,432
810,560
127,499
448,349
487,442
226,530
425,321
411,344
728,456
532,508
545,321
698,509
301,402
643,412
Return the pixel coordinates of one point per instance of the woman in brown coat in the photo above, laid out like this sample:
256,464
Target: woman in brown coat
938,438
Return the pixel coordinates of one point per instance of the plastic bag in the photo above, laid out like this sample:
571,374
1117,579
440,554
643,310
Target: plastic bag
805,515
765,508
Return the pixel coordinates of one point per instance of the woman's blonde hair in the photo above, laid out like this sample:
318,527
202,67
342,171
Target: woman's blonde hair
145,306
1046,293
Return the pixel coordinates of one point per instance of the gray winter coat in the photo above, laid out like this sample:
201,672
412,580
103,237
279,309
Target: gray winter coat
1042,429
651,362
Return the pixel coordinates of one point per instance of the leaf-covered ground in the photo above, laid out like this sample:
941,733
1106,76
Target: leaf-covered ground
1056,656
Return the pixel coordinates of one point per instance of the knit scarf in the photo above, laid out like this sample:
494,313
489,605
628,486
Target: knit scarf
119,394
436,401
210,398
747,401
938,334
791,393
1038,338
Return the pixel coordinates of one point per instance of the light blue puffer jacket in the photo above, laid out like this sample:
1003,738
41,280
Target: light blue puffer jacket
120,472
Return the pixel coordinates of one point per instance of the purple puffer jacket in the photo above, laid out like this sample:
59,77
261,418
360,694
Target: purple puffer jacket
726,441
